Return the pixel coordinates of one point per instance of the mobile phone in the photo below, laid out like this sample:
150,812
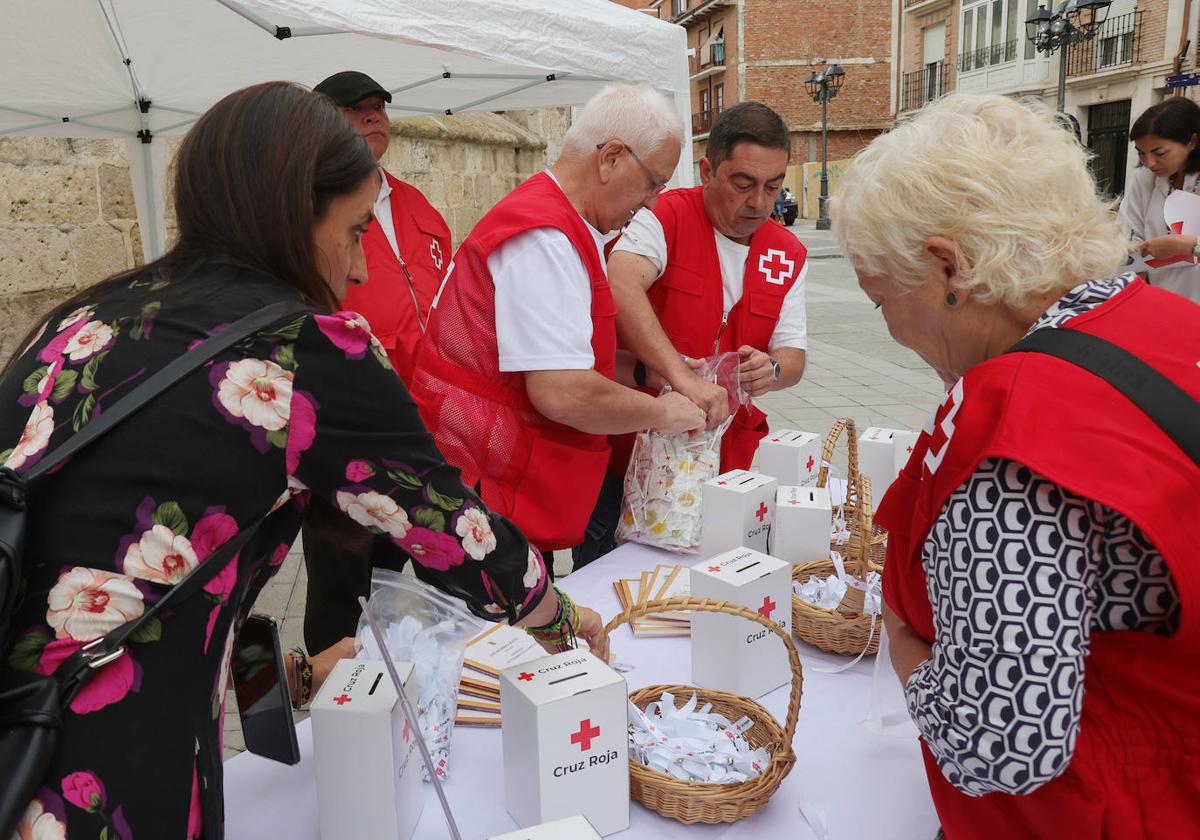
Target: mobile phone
260,683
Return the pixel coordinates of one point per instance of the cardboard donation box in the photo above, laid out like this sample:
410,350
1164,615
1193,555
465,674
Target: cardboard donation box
903,444
878,459
803,518
790,456
730,653
367,762
565,727
739,509
572,828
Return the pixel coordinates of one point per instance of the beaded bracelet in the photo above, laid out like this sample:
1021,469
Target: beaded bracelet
561,631
303,674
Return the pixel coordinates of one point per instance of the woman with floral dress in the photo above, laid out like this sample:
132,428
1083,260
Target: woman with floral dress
273,190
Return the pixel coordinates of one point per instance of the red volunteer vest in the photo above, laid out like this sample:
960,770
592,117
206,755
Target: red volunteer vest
690,304
386,299
1135,772
542,475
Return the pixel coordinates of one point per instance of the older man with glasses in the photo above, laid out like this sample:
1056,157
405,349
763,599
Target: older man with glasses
516,378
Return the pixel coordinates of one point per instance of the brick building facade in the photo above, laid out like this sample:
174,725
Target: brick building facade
765,49
982,46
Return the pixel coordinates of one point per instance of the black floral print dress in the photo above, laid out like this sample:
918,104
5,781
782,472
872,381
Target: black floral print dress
307,407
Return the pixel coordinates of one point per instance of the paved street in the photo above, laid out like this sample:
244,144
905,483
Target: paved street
854,370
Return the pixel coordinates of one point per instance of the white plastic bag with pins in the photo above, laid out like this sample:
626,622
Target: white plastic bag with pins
430,629
664,483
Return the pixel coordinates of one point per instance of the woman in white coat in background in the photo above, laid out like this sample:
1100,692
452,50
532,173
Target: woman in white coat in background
1167,139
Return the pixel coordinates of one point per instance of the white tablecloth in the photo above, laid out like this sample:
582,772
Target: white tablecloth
868,784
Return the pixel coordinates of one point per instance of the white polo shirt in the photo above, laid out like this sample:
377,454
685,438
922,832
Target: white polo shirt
645,236
543,301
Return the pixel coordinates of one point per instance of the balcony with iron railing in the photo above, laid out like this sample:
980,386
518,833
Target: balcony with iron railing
922,86
987,56
702,121
1117,43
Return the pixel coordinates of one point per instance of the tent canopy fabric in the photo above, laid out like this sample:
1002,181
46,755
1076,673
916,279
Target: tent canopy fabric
138,69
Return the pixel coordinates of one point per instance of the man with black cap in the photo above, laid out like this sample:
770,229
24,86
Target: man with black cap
407,248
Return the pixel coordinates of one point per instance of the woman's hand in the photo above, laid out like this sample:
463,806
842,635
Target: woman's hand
1170,245
591,630
323,662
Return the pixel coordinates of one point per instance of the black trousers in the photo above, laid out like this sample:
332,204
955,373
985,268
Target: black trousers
339,555
601,534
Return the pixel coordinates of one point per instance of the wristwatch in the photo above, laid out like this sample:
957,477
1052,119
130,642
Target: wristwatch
776,368
1196,249
639,374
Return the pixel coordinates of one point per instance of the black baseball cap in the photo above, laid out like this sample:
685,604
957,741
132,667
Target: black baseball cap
351,86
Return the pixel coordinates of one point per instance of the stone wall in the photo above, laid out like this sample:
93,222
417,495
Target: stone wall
67,215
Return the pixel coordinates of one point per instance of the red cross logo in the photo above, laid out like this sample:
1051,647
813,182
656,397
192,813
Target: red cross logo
762,511
774,440
407,730
435,251
525,676
343,700
793,501
722,482
714,568
768,607
775,266
585,735
809,463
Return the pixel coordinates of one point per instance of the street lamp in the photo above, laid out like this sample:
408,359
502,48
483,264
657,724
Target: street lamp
822,87
1049,32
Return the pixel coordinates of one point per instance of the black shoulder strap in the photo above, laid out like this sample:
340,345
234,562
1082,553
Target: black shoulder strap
77,669
165,378
1164,402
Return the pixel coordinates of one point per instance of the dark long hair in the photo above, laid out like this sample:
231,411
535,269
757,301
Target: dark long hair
1176,118
252,177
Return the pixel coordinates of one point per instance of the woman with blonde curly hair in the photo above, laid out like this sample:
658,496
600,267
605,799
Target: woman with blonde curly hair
1041,588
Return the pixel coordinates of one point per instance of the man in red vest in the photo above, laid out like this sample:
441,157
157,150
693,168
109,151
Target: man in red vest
407,248
707,271
516,375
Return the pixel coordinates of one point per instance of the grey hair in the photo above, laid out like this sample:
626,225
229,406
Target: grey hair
999,178
637,115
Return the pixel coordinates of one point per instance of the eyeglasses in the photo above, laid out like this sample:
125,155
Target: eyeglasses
657,185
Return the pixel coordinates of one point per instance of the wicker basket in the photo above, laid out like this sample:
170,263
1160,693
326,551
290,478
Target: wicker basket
846,630
700,802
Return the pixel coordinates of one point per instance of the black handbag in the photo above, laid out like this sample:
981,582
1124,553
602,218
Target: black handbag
31,705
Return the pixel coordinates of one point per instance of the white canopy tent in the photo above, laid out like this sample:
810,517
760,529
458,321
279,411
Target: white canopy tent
140,69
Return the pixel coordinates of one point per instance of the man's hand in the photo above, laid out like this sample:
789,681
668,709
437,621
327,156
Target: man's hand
756,371
679,414
712,399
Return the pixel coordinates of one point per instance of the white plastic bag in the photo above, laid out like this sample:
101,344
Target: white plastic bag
430,629
664,484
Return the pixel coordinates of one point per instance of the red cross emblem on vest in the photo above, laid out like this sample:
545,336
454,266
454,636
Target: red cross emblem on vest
586,734
768,607
435,252
343,700
775,266
941,427
761,513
